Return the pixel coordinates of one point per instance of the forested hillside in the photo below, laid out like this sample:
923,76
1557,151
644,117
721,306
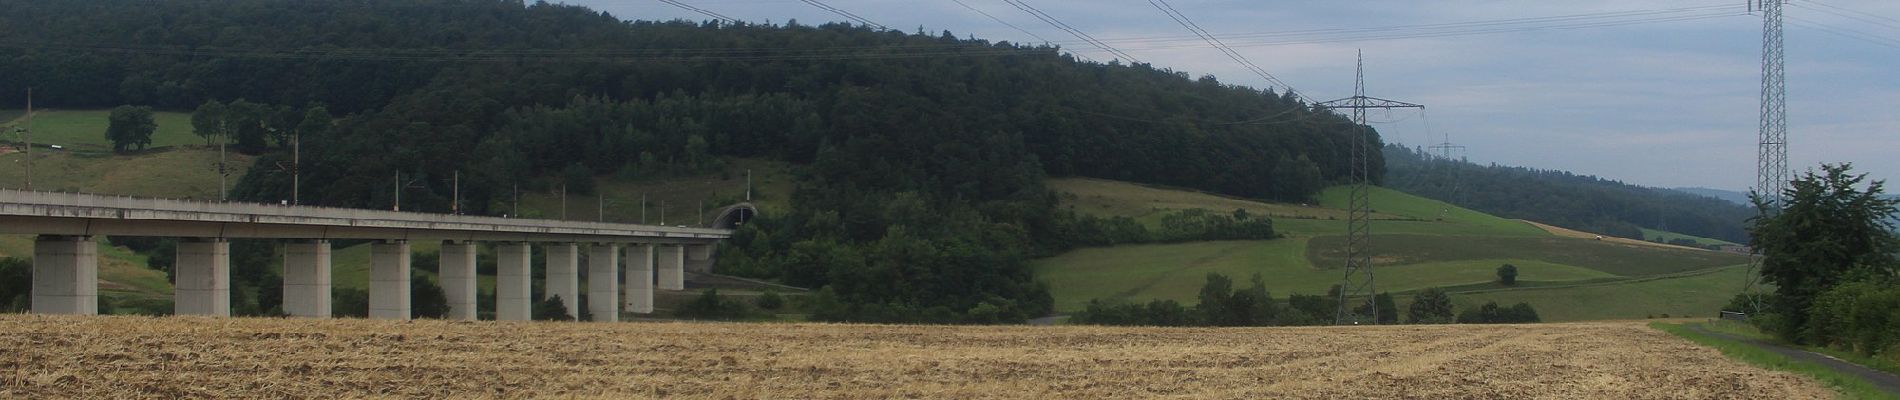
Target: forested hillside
926,153
1560,198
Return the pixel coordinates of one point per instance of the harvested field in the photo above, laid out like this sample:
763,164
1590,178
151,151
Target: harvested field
142,357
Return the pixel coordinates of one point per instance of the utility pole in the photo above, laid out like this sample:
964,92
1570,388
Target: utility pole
224,191
397,185
517,206
563,201
600,204
748,184
1358,280
296,168
29,139
1771,162
643,208
455,196
702,212
662,212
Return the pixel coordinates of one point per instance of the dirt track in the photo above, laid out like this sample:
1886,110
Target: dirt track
136,357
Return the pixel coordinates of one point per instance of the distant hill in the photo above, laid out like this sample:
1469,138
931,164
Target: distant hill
1580,202
1417,243
1720,194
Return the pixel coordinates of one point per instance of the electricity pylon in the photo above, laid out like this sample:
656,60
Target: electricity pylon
1771,168
1358,280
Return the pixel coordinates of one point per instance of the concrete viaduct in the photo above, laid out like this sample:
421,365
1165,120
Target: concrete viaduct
65,254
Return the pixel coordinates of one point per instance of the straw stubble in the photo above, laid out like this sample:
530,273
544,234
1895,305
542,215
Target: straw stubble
136,357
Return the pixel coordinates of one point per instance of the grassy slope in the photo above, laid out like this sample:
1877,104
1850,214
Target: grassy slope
84,130
87,165
1666,236
1176,271
1613,258
1699,293
1419,242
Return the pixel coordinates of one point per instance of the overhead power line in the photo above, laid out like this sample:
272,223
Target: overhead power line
701,11
846,14
1843,32
1185,22
1868,14
1582,21
1857,16
1058,24
1044,40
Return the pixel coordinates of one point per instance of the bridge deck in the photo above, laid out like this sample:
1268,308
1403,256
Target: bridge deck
45,213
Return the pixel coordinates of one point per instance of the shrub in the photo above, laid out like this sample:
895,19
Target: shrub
1430,306
350,303
426,299
1491,313
1507,274
770,300
1861,316
709,305
552,309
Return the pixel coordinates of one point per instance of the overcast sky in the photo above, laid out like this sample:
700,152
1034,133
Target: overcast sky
1657,93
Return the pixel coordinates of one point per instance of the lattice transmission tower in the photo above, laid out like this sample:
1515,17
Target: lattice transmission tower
1358,281
1448,163
1771,169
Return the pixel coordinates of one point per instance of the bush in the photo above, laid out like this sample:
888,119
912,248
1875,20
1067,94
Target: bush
1430,306
770,300
1156,313
350,303
1861,316
1507,274
1491,313
426,299
552,309
709,305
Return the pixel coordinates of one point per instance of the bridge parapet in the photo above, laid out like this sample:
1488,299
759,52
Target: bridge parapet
88,214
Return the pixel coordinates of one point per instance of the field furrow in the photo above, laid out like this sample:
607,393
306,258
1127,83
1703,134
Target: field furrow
141,357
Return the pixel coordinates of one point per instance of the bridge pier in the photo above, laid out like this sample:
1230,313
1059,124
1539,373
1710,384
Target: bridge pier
389,280
307,279
563,276
672,266
513,300
202,278
603,281
699,258
639,279
457,274
65,275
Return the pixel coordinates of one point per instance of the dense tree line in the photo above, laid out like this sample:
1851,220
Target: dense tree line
921,198
1581,202
1830,250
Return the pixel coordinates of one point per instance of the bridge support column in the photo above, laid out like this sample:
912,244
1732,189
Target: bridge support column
563,276
639,279
457,274
603,281
203,278
65,275
512,282
307,279
699,258
672,267
389,280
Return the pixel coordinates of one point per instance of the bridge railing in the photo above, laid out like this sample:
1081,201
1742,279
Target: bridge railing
33,203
